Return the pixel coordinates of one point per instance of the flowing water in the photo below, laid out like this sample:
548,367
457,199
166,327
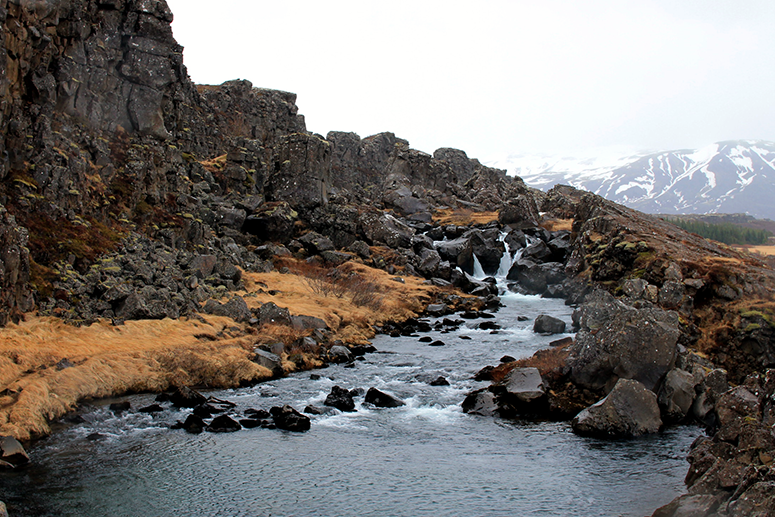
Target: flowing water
426,458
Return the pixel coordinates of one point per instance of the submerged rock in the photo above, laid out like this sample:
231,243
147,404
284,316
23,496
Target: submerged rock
628,411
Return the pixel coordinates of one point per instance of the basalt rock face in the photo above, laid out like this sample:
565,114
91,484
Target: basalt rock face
731,473
106,138
722,296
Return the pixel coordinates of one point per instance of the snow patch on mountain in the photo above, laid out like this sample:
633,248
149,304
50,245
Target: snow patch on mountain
725,177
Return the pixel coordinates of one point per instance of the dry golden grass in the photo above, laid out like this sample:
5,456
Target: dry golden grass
463,217
153,355
215,164
761,250
108,360
555,225
349,321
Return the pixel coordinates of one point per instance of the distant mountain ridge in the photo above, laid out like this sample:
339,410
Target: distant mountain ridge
725,177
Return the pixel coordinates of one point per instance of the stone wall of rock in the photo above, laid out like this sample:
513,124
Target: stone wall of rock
15,294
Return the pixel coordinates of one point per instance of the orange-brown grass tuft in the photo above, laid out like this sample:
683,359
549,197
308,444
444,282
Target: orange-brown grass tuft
555,225
463,217
548,361
102,360
371,297
214,165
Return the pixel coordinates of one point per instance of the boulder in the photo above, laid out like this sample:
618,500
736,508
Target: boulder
733,409
302,322
315,243
270,313
269,360
676,395
545,324
235,308
340,354
12,453
153,408
538,252
186,397
430,260
223,424
458,252
193,424
629,410
481,402
202,265
523,384
383,228
617,341
534,278
341,399
288,419
382,399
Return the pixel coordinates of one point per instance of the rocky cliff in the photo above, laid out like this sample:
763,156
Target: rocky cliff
103,134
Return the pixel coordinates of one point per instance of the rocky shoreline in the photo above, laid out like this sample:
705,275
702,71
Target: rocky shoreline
129,197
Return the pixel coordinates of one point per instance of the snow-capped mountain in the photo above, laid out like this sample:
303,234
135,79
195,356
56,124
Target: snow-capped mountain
726,177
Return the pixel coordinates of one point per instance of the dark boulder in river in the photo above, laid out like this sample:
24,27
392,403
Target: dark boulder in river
289,419
341,399
382,399
630,410
223,424
545,324
186,397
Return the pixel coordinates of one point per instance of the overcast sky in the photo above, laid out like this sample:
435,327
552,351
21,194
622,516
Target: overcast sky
498,77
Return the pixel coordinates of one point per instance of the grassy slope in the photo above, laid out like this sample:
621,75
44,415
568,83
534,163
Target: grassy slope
154,355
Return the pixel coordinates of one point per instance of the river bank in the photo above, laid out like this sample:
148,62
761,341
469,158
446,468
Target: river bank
48,367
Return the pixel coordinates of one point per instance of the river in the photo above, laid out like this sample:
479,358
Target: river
425,458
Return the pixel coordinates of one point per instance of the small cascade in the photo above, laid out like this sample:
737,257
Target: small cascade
478,270
506,260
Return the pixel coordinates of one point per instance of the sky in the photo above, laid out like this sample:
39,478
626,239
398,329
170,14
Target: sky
500,77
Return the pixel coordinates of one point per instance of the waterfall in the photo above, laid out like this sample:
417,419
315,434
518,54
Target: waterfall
478,271
506,260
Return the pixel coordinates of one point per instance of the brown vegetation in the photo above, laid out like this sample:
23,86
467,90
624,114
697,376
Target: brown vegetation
463,217
47,367
760,250
350,298
555,225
